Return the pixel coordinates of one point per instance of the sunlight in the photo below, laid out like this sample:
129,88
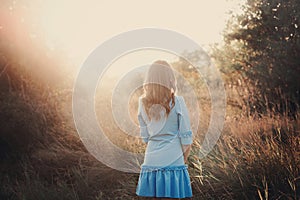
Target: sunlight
70,30
77,27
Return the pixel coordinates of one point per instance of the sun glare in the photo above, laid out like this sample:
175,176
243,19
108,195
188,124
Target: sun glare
73,29
77,27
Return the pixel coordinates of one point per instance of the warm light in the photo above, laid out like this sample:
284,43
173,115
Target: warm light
77,27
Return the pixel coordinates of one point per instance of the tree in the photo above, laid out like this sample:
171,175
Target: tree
262,51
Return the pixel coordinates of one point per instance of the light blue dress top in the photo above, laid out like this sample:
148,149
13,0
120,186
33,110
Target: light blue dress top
164,173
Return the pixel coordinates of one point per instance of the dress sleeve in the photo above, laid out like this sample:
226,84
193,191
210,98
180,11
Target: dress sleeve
184,125
142,124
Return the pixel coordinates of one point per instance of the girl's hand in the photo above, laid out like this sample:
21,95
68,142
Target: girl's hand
186,152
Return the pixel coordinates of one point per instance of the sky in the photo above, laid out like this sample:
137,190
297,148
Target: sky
77,27
74,28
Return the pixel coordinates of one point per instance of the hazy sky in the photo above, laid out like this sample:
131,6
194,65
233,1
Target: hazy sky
77,27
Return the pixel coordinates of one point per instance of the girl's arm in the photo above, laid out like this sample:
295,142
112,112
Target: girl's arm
186,149
142,124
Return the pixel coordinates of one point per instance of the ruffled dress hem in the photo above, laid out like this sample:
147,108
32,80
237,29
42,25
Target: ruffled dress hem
171,182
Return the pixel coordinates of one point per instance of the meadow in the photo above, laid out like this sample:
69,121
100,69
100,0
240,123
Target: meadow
42,156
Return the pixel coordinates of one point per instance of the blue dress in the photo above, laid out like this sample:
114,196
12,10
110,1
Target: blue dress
164,173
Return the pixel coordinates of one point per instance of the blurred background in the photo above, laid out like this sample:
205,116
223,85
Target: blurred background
255,44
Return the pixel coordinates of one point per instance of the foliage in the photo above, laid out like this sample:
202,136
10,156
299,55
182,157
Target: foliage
42,156
261,55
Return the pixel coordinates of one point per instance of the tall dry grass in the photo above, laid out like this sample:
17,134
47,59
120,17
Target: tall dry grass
255,158
42,157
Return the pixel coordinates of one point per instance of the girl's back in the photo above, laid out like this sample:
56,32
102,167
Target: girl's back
165,127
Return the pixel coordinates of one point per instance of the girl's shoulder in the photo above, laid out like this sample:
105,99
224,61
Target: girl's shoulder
140,104
179,103
140,100
179,100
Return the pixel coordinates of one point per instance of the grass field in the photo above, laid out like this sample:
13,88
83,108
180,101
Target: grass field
42,157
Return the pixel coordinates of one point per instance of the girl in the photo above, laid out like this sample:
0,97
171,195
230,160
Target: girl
165,127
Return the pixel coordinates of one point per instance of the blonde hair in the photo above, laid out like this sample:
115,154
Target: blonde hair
159,88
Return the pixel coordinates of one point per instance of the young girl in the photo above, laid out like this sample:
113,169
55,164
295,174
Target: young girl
165,127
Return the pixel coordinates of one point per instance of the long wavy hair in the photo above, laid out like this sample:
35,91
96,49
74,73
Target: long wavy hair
159,88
